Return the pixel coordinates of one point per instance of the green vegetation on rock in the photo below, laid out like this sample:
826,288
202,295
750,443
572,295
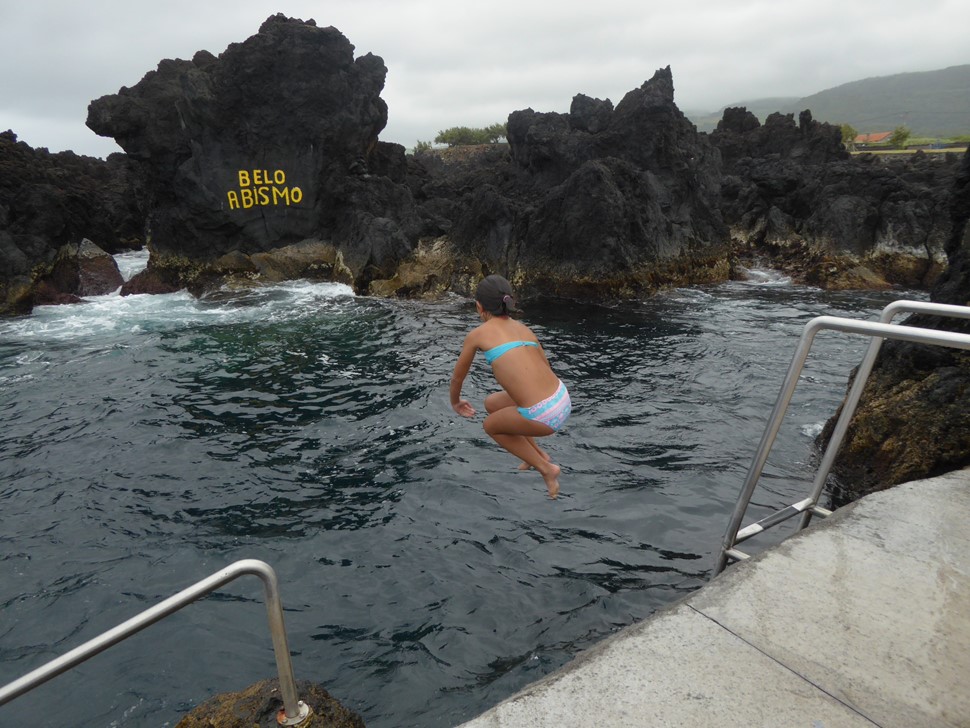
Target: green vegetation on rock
463,135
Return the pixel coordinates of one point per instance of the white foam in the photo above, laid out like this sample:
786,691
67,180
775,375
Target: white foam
814,430
765,277
131,263
116,315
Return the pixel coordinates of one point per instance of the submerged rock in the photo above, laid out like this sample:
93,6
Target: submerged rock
84,269
78,270
258,705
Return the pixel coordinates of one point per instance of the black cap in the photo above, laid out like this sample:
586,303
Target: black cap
496,296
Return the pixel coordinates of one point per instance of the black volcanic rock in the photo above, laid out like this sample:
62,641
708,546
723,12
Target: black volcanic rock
48,201
264,164
598,202
740,135
80,269
260,706
793,195
588,114
269,144
954,284
913,421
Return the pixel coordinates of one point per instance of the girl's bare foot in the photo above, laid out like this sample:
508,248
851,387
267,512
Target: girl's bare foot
551,476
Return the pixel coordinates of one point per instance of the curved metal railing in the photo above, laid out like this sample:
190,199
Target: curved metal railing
878,332
294,712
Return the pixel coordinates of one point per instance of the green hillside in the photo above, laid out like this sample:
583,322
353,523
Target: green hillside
929,103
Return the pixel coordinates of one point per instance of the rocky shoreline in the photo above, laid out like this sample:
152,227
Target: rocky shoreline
601,202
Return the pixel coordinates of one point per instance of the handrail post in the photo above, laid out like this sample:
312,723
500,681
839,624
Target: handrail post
842,426
878,331
767,440
294,712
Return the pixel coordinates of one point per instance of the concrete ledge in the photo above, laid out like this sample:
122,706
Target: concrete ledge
861,620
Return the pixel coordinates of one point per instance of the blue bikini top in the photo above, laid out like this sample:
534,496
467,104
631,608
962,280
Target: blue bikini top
494,353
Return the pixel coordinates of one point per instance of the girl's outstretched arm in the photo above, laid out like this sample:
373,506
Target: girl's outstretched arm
464,363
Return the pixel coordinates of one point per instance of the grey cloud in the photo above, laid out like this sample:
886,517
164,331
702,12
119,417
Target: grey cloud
461,64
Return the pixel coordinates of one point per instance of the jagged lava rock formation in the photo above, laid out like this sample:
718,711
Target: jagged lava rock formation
49,205
264,164
599,202
795,198
913,421
265,161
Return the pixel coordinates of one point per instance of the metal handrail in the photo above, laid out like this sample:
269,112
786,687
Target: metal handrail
294,712
862,375
878,332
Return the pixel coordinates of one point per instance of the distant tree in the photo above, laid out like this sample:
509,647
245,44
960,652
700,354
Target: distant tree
496,132
463,135
899,137
421,147
849,133
455,136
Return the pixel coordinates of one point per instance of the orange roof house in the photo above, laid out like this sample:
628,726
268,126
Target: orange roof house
873,138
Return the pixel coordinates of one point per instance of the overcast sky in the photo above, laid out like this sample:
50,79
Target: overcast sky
456,63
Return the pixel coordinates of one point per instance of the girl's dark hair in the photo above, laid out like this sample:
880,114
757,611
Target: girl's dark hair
496,295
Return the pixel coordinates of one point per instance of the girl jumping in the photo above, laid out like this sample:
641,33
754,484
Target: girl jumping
533,402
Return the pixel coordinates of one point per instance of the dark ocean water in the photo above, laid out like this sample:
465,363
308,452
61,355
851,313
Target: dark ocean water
149,441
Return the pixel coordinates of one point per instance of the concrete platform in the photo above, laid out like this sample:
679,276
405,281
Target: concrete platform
863,619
